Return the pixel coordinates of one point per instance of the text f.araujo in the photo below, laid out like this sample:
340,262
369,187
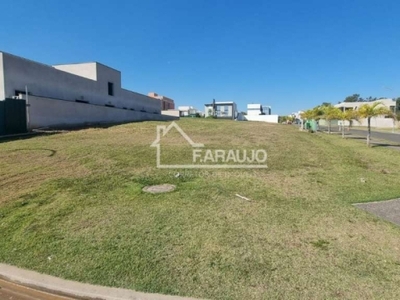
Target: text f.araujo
203,158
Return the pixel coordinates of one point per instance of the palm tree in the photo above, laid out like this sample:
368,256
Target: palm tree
306,115
330,113
347,115
317,113
374,110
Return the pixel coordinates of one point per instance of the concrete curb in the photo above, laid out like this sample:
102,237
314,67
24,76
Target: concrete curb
74,289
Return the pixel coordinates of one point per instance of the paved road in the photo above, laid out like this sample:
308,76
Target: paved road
388,210
388,136
375,135
12,291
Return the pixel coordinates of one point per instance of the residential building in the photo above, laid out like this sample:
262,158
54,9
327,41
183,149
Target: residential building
389,103
186,111
262,113
73,94
166,103
380,122
223,110
258,109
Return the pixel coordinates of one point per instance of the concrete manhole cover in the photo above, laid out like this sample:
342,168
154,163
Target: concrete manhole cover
161,188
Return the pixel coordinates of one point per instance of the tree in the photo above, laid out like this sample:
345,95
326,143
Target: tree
368,111
317,113
306,115
282,119
370,99
347,115
352,98
330,113
290,119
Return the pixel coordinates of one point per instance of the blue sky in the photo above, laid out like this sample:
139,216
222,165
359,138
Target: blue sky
287,54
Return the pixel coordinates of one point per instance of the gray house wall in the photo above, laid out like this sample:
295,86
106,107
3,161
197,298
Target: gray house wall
86,70
67,113
2,94
55,82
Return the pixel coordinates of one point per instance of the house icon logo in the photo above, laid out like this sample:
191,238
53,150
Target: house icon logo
162,131
204,158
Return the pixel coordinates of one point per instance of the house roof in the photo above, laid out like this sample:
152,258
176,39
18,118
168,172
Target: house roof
386,102
220,103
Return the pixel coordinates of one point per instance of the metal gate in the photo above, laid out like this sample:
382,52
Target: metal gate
13,117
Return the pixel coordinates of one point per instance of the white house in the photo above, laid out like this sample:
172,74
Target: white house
223,110
73,94
258,112
186,110
381,121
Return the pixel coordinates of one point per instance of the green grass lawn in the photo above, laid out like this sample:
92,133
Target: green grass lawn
71,205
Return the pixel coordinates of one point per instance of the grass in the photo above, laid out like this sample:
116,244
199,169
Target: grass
72,206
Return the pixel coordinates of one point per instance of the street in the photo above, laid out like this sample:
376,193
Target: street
375,135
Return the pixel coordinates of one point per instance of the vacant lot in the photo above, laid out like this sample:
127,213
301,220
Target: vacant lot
72,206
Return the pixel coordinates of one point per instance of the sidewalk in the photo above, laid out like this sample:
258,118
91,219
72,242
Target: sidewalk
19,284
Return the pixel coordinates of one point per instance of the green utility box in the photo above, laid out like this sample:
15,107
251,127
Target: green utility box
311,125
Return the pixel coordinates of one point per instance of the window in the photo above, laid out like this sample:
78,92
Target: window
218,111
111,89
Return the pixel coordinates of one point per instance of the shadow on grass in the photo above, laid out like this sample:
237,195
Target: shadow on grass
393,146
62,129
31,135
66,128
52,152
355,137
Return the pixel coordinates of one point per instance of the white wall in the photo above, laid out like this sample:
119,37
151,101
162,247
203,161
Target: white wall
263,118
185,108
375,122
2,94
207,110
253,109
172,112
253,112
45,112
46,81
324,122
